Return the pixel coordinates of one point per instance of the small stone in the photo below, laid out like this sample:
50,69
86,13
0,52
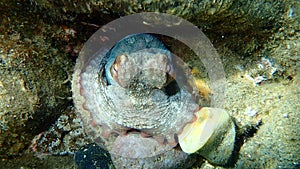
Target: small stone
93,156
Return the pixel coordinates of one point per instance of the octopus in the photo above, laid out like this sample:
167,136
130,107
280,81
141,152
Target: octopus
140,103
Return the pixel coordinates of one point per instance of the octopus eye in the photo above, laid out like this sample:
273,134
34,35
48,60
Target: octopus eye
114,70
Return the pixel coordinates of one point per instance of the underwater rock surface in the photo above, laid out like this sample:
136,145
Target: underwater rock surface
34,84
254,30
93,156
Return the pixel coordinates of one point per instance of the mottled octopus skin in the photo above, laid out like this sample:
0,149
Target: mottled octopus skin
131,44
122,106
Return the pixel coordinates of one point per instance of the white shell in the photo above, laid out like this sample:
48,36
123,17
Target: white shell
200,136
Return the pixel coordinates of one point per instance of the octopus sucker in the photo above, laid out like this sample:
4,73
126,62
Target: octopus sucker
145,135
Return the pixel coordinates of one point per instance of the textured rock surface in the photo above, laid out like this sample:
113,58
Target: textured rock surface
34,87
93,156
266,113
64,137
203,12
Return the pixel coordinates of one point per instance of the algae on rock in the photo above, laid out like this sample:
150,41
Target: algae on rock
34,83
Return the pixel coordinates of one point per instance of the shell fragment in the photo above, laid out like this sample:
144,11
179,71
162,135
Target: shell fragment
212,135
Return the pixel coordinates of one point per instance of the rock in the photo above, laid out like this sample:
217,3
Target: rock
34,86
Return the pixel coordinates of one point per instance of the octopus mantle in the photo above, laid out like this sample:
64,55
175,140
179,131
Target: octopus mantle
133,98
